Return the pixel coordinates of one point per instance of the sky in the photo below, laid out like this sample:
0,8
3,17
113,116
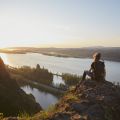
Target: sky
59,23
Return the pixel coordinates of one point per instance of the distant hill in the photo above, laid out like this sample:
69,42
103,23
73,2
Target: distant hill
14,100
109,53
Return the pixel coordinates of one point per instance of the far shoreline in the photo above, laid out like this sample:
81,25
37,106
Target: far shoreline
56,55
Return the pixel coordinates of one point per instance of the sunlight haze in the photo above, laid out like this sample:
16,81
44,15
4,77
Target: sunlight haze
59,23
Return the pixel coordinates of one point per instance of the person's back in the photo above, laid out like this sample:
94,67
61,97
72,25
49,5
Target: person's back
98,68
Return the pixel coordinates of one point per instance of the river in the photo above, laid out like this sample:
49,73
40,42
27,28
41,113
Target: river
57,65
43,98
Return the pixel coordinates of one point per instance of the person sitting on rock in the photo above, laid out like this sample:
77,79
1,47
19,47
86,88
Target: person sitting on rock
97,71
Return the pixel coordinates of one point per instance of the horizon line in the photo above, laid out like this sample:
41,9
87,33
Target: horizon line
60,47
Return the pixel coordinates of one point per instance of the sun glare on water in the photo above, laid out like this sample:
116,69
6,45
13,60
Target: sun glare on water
5,58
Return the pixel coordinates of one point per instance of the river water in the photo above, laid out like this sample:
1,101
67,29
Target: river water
57,65
43,98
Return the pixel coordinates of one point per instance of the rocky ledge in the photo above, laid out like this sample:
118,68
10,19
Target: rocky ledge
90,101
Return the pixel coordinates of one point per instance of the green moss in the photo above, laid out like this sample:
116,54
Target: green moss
24,116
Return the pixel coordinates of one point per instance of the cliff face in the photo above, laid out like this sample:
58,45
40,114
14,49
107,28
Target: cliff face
13,100
90,101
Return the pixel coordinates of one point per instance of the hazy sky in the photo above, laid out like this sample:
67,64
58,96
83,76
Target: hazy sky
59,23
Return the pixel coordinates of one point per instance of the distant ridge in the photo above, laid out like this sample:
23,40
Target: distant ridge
108,53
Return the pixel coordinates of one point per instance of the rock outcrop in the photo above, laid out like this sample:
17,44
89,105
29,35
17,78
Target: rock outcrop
13,100
90,101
